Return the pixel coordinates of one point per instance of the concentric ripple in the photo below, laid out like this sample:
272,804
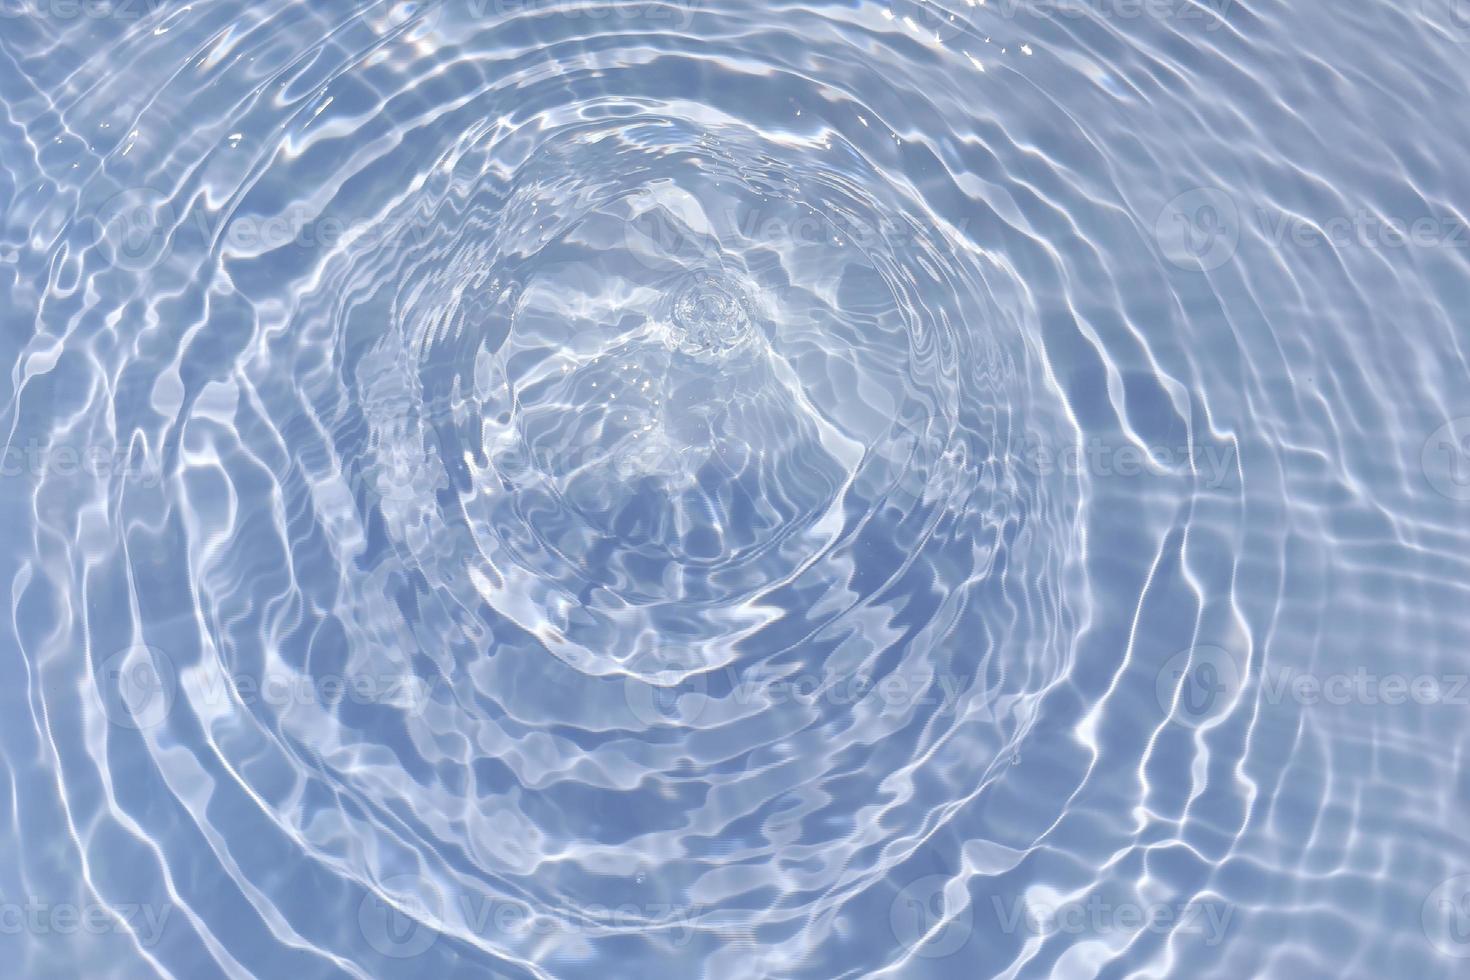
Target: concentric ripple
605,489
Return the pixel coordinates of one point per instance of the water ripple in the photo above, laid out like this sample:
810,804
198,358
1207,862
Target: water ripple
728,489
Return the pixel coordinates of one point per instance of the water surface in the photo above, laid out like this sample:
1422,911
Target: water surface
734,489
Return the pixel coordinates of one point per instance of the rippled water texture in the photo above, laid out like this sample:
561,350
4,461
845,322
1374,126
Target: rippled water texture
734,489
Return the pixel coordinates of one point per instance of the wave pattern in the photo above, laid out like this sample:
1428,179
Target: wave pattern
731,490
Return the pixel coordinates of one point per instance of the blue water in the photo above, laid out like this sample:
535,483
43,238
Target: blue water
734,489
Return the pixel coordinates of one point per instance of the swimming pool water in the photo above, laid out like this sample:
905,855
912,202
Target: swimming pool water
734,488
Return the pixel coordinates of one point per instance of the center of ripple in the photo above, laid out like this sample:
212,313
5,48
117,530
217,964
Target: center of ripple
711,317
